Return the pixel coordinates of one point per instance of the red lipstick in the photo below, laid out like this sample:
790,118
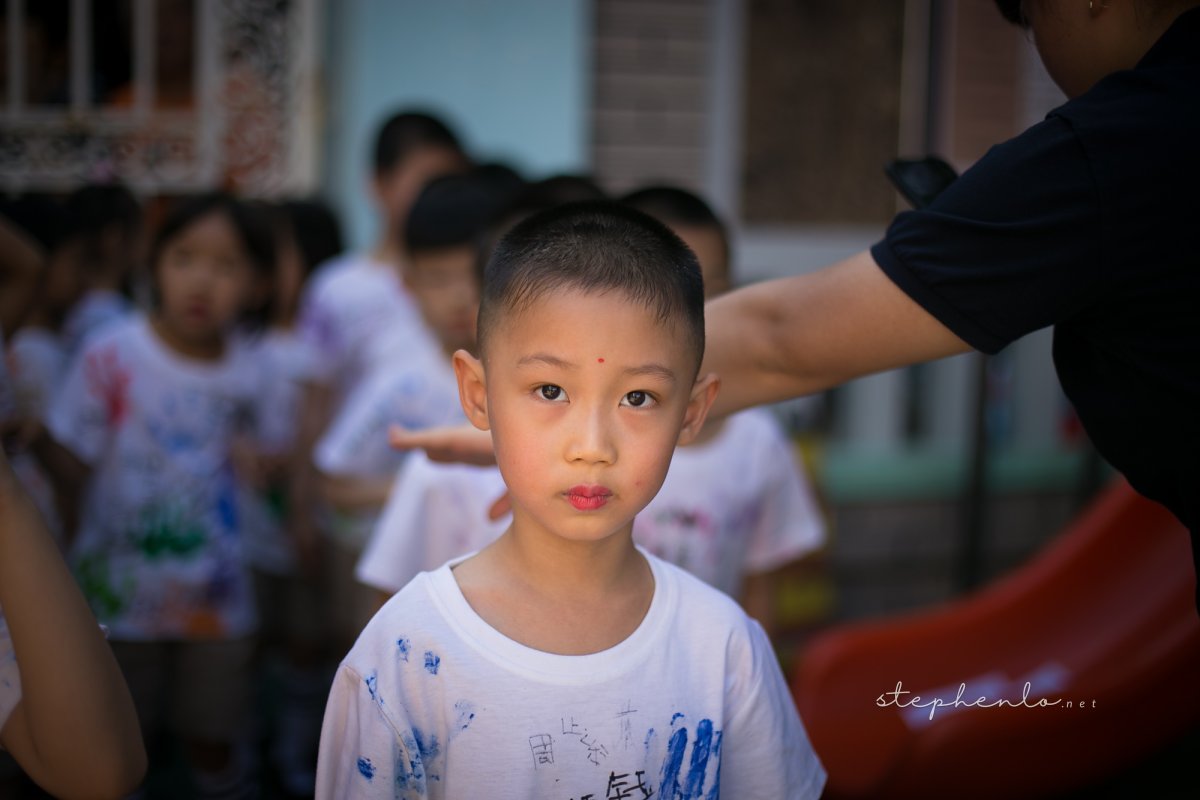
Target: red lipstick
588,498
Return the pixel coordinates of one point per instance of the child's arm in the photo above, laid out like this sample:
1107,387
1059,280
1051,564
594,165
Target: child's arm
74,730
316,400
355,493
449,444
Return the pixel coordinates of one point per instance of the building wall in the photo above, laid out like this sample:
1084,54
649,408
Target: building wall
511,76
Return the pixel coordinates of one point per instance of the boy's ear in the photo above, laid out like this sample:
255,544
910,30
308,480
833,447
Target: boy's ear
703,393
472,388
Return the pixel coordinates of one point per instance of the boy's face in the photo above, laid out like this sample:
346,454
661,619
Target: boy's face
586,396
445,284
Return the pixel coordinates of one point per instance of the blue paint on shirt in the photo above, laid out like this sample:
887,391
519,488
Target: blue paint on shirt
669,782
427,746
432,662
465,714
715,792
372,682
694,784
402,648
366,768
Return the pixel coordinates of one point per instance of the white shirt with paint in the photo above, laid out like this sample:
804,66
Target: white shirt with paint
432,702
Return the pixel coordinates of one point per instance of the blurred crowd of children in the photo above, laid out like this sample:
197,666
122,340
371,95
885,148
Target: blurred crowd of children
197,396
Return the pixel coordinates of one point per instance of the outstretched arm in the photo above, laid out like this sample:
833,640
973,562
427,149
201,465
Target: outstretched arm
776,340
74,730
794,336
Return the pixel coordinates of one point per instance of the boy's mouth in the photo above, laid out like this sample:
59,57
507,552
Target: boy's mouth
588,498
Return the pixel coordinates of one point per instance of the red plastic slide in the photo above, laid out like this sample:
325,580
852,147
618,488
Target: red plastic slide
1074,667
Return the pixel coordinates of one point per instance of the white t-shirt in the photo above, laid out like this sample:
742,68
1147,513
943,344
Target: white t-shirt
432,702
346,305
415,391
735,505
159,548
92,313
10,676
288,358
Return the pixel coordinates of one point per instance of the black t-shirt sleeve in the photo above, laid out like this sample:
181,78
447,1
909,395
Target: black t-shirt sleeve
1012,246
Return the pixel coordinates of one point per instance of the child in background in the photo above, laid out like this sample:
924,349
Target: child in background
349,301
737,508
147,418
414,386
292,614
734,508
105,239
65,712
561,660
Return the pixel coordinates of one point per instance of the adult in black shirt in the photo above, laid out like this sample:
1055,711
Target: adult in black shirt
1086,222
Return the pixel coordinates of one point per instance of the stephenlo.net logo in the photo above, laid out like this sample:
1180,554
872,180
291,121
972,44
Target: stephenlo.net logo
1040,689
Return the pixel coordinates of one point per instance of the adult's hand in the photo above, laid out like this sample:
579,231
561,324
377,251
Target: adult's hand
447,444
453,444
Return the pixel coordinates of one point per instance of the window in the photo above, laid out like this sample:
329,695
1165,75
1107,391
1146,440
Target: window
167,95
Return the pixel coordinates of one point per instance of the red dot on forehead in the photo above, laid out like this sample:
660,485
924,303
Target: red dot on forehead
599,360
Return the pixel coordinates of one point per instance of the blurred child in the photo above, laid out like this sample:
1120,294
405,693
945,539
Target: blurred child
734,508
562,660
34,356
104,238
65,712
349,301
351,298
291,611
737,508
146,419
414,386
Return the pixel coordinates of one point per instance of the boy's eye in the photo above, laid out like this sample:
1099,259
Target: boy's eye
638,399
549,391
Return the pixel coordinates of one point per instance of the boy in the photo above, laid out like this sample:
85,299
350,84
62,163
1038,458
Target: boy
561,660
733,510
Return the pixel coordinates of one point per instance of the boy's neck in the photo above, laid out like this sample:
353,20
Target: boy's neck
557,595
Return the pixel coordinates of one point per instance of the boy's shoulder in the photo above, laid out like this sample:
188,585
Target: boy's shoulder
696,602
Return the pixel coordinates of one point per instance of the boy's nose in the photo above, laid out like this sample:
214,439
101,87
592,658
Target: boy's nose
591,439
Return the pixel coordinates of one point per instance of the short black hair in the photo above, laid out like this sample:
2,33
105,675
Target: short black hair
254,227
456,209
316,229
1011,11
676,206
595,247
98,207
406,132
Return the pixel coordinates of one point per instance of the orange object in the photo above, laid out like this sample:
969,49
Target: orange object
1072,668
